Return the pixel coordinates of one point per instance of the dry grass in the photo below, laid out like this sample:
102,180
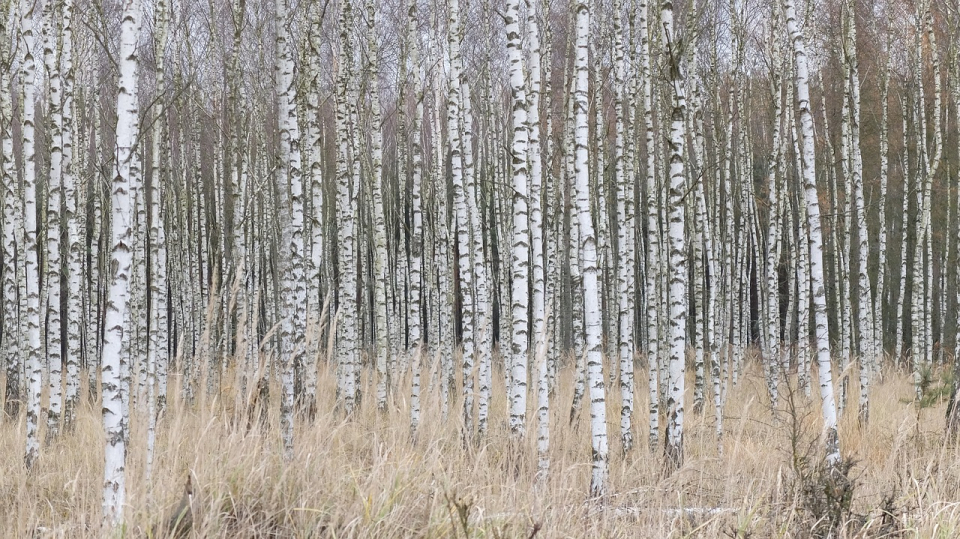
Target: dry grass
364,476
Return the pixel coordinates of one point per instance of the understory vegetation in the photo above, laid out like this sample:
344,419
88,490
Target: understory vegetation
366,476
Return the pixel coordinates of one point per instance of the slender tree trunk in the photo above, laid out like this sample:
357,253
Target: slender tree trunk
379,226
294,293
126,179
651,284
316,278
772,331
463,223
816,250
904,223
347,319
865,312
72,201
157,357
678,254
416,233
520,264
53,261
625,239
34,365
953,411
12,338
591,296
878,311
537,305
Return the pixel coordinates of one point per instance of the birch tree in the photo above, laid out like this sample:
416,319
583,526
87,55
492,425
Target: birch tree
74,204
53,330
157,347
293,284
125,179
11,316
868,351
625,239
346,210
537,303
588,242
772,336
653,232
678,255
33,365
457,144
380,230
520,256
828,405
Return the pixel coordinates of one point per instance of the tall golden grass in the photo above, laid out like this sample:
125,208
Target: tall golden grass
366,476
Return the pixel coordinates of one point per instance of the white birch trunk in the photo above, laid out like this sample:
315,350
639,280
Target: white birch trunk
591,296
483,319
94,341
157,357
463,224
74,203
880,296
917,321
828,404
803,263
315,267
379,225
537,303
653,235
865,308
678,255
878,313
904,223
520,264
625,240
694,125
575,256
932,168
294,293
11,312
53,262
34,364
441,259
124,183
416,198
346,328
772,339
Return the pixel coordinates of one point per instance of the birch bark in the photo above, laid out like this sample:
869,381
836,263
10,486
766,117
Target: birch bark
678,255
157,346
293,284
379,225
12,337
828,404
591,296
33,365
125,180
625,239
537,303
53,261
74,203
520,257
651,284
865,308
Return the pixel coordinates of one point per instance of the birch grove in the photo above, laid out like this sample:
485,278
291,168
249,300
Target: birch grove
474,214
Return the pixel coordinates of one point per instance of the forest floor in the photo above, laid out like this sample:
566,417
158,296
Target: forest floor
365,476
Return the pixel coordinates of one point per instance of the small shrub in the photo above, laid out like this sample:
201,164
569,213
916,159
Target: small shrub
825,494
